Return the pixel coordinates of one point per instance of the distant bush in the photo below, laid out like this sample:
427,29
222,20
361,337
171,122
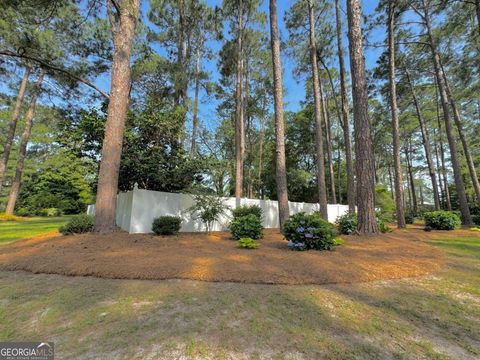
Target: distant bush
10,217
476,219
309,232
166,225
382,226
77,225
442,220
247,210
347,223
248,226
409,218
248,243
50,212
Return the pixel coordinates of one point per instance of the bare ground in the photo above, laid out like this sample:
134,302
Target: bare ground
215,257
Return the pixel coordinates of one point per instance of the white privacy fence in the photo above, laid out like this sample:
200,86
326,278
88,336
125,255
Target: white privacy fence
136,210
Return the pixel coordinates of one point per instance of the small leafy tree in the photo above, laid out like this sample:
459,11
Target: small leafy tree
208,208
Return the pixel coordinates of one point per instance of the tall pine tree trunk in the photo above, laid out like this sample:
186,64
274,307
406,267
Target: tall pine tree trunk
328,136
320,158
281,171
22,151
457,173
399,200
446,189
365,166
193,147
239,110
7,147
426,143
123,29
345,111
463,140
412,180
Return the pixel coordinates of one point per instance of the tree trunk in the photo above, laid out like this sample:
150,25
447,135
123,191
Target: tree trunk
412,181
365,166
438,170
463,140
320,158
123,33
7,147
399,200
260,156
193,147
328,137
457,174
345,122
239,110
22,151
426,143
477,12
281,171
446,189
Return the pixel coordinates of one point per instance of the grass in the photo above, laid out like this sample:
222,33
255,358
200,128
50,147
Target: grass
16,230
434,317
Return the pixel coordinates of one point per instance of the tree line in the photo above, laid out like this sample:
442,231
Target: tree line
396,135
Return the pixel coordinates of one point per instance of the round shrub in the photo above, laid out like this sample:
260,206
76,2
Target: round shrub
347,223
248,243
310,231
77,225
245,210
166,225
441,220
248,226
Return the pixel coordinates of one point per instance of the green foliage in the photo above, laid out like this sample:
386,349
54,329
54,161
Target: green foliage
166,225
77,225
63,182
9,217
208,208
246,226
347,223
152,154
409,218
50,212
248,243
382,226
310,230
442,220
384,201
247,210
338,241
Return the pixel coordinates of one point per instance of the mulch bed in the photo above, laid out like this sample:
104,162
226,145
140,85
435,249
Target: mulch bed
215,257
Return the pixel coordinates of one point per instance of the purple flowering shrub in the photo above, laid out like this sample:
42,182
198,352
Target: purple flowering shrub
309,231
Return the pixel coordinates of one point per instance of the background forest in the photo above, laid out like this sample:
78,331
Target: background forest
200,111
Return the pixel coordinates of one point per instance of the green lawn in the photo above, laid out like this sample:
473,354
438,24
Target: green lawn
16,230
433,317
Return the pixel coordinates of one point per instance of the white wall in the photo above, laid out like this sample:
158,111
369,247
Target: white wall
136,210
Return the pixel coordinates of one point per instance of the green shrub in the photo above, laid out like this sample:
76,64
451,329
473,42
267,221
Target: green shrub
77,225
382,226
476,219
347,223
245,210
442,220
338,241
409,218
248,243
50,212
309,232
246,226
208,208
166,225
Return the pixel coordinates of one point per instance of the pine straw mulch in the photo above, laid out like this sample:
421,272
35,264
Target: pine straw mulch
215,257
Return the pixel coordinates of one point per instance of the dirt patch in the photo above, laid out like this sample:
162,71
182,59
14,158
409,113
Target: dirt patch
216,257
